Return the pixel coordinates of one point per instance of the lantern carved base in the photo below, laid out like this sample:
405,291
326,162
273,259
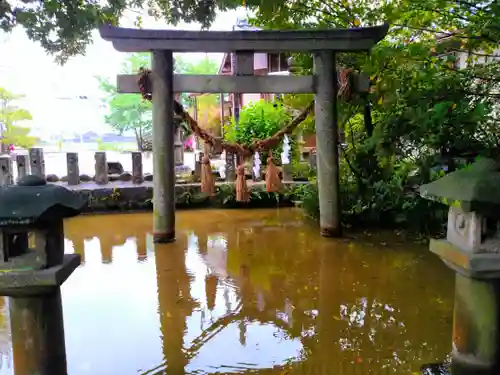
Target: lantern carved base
470,250
25,283
476,265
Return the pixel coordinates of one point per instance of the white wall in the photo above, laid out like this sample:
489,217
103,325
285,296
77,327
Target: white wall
248,98
463,56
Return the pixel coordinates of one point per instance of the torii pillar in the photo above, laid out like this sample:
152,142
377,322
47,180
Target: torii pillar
323,43
163,147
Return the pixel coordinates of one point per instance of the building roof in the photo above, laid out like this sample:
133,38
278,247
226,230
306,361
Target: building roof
241,25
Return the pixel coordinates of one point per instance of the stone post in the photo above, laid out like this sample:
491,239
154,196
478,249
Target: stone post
178,144
197,166
38,334
241,65
327,144
6,177
73,169
230,167
221,109
312,159
163,148
22,166
37,162
472,250
137,175
195,118
101,168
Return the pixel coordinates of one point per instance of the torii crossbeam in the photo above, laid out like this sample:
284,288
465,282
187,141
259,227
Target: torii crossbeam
324,44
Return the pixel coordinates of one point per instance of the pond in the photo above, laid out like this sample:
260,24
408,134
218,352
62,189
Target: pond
248,292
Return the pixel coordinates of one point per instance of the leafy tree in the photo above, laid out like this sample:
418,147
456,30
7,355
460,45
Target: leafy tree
426,112
208,112
11,132
202,66
64,27
208,104
129,112
259,120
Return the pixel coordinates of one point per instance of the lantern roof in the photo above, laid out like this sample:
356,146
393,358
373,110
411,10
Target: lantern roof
475,185
33,200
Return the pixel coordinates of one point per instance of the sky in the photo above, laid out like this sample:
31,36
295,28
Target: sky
51,91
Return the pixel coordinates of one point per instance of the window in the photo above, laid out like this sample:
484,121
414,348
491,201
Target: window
277,62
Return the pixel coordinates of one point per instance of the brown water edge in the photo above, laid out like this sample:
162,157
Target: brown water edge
250,291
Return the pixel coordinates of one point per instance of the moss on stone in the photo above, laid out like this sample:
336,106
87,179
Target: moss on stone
139,198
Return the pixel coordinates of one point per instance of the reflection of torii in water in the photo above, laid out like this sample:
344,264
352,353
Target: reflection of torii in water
176,356
240,314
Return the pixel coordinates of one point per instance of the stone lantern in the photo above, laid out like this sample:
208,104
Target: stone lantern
32,268
472,250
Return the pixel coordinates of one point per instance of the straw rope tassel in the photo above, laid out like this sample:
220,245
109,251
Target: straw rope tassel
273,181
242,194
207,180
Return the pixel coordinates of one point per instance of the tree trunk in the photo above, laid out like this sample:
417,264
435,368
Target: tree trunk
139,140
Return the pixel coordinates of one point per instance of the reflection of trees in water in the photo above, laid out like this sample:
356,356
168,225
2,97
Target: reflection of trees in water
353,309
382,324
376,333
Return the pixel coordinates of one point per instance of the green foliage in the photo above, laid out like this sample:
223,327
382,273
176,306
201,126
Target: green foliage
129,112
64,27
301,170
308,195
258,120
11,131
208,112
202,66
427,114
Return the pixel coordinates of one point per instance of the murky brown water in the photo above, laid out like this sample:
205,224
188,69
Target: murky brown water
253,291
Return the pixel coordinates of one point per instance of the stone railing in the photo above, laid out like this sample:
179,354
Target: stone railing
13,167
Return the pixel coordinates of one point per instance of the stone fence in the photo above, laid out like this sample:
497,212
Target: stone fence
17,166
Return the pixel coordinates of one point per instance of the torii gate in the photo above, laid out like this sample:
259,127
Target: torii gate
162,43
